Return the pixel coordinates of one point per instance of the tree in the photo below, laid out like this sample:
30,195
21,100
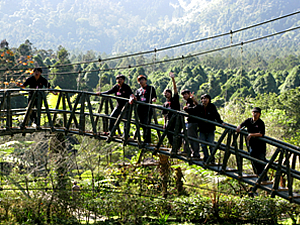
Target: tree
62,74
265,84
91,77
292,80
25,49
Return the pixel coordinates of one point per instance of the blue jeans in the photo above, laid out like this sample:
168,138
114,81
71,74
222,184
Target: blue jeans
192,132
261,155
115,113
145,115
208,137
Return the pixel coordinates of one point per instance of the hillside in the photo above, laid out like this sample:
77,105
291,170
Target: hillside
117,26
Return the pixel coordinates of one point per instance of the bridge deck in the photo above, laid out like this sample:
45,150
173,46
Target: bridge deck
84,118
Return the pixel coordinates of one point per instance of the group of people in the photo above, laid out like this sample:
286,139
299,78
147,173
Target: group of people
206,110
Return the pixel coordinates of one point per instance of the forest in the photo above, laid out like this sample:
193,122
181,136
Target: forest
117,26
38,171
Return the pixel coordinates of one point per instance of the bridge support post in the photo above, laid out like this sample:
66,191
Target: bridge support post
128,123
117,122
277,175
227,151
8,112
217,146
160,141
137,124
29,110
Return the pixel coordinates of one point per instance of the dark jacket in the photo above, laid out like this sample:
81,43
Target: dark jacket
123,92
208,113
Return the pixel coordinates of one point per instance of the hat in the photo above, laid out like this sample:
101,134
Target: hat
256,109
185,91
120,76
141,76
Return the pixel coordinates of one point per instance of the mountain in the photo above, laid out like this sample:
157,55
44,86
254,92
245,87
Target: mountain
117,26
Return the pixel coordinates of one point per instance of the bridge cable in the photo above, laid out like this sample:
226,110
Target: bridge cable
190,55
189,42
175,45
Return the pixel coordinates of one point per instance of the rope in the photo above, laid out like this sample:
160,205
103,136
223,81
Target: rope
187,56
241,67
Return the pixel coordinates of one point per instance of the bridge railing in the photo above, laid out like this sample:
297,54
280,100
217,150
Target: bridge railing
83,117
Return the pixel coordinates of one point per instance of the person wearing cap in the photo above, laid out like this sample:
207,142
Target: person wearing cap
192,124
120,90
146,94
172,102
256,128
36,81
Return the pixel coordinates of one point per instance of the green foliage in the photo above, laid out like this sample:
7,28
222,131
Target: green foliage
63,76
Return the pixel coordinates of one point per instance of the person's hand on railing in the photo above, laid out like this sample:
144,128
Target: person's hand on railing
53,92
98,93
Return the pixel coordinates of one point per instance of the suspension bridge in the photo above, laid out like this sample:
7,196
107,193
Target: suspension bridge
83,117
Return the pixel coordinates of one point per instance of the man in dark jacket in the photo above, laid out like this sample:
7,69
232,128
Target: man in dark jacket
146,94
207,131
192,124
36,81
120,90
207,111
256,128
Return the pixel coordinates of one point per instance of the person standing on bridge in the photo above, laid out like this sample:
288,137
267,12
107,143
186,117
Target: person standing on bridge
192,124
36,81
120,90
256,128
171,103
146,94
208,111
